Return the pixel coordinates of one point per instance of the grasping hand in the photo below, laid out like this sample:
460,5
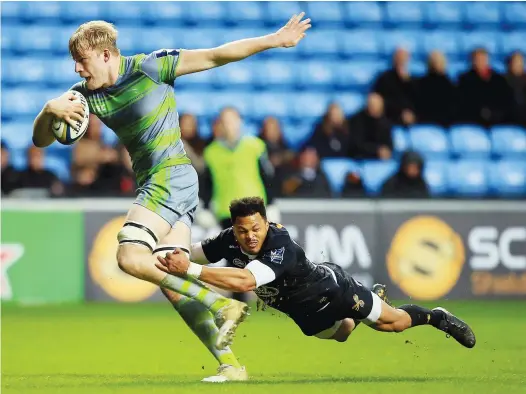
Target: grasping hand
175,263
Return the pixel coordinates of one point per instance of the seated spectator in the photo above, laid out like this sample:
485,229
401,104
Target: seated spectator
331,136
435,93
483,95
35,176
409,181
397,89
278,152
308,181
370,131
516,79
10,176
353,186
193,144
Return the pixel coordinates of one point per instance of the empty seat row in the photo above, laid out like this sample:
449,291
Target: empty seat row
258,13
470,178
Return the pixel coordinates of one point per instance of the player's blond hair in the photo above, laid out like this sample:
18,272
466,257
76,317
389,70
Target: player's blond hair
94,35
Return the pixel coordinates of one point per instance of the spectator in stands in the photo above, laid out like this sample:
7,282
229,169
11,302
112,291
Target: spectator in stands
353,186
435,93
370,131
331,135
35,176
10,176
194,145
516,79
408,181
397,89
484,96
308,181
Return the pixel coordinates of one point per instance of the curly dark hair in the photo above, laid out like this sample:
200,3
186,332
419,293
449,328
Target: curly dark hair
247,206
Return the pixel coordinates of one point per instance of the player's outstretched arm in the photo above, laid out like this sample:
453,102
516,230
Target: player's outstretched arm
191,61
232,279
61,107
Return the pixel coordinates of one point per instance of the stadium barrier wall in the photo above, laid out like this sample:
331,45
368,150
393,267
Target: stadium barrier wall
423,250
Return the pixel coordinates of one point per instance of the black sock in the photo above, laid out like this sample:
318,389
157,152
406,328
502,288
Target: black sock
420,316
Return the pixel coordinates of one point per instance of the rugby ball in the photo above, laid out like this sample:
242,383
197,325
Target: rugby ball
64,133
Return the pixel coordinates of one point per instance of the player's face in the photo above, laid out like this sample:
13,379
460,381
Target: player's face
250,232
92,66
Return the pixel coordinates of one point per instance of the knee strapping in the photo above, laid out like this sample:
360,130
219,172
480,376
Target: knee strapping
136,233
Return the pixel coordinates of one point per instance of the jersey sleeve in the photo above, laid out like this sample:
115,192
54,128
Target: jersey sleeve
215,248
161,65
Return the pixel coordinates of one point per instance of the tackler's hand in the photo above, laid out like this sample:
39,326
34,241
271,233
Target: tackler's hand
175,263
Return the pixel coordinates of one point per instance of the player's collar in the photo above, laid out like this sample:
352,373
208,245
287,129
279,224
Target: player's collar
122,66
251,256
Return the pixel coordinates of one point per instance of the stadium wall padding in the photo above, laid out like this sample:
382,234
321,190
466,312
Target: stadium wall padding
423,250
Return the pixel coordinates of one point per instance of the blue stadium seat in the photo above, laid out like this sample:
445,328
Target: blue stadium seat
375,173
358,74
469,141
435,175
43,11
323,12
417,68
513,42
250,128
336,171
38,38
62,72
165,13
72,12
205,127
108,136
316,74
350,102
408,39
201,80
437,13
194,102
244,12
61,37
21,102
360,43
235,75
362,13
58,166
484,39
508,177
204,12
468,178
199,38
12,10
296,134
278,13
514,13
483,13
320,43
242,101
32,70
429,140
272,104
132,13
400,138
403,12
443,41
129,41
508,141
17,135
454,69
271,74
309,106
9,37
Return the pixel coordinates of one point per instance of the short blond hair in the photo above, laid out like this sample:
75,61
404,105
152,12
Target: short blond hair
94,35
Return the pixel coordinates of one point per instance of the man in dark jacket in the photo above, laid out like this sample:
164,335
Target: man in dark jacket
409,181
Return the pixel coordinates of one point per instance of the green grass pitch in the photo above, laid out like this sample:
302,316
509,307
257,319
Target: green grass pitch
108,348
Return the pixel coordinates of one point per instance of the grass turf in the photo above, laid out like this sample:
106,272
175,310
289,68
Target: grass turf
108,348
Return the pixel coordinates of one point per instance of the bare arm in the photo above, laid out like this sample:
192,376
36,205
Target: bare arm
42,134
191,61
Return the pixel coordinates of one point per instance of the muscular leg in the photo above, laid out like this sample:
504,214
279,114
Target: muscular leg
339,332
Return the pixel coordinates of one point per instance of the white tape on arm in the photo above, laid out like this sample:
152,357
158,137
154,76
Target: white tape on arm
262,273
194,270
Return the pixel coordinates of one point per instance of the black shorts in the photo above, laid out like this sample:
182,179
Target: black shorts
352,300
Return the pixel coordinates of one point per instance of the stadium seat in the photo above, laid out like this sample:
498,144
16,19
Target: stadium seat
9,37
62,73
508,141
43,11
407,39
513,42
195,102
437,13
309,106
278,13
323,12
58,166
403,12
204,12
435,175
483,13
362,13
71,12
514,13
244,12
508,177
479,39
400,140
296,134
250,128
375,173
201,80
165,13
358,74
455,69
21,102
350,102
17,135
108,136
12,11
468,178
37,39
36,71
198,39
443,41
240,100
469,141
360,43
320,43
336,171
272,104
429,140
132,13
234,75
417,68
271,74
316,74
